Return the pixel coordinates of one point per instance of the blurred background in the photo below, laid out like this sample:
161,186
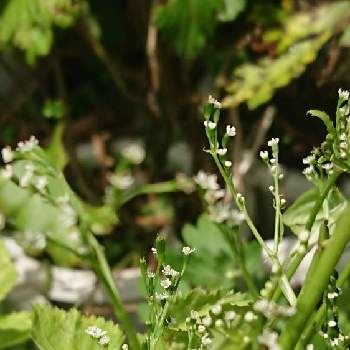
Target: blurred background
114,92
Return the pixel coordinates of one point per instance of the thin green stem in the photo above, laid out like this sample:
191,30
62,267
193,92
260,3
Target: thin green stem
313,288
299,256
238,253
233,193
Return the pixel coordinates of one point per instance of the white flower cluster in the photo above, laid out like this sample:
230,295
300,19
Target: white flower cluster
68,215
270,309
270,340
188,250
206,181
27,146
343,94
214,102
99,334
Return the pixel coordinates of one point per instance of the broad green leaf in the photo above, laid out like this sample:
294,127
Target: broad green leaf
14,329
189,23
8,274
232,8
325,118
202,301
297,214
55,329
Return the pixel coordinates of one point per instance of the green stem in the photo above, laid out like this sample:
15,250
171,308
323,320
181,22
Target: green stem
238,253
318,316
298,258
313,288
233,192
103,272
161,187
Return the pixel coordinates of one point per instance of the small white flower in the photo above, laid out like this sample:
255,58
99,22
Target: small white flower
228,163
121,181
230,130
188,250
304,236
7,154
206,340
206,181
216,309
327,166
125,347
201,329
162,296
344,94
230,315
250,316
283,201
24,180
209,124
7,172
240,197
310,347
309,159
332,296
270,340
41,183
332,323
219,323
154,251
221,151
133,151
274,141
264,155
214,102
194,314
95,332
165,283
207,321
104,340
309,170
150,274
169,271
342,137
271,188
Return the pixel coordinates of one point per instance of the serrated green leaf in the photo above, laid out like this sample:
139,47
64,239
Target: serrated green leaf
14,329
297,214
8,274
325,118
202,301
55,329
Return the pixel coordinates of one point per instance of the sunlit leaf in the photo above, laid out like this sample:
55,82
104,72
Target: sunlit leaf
8,274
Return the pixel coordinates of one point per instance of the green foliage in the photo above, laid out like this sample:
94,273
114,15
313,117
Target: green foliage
255,84
55,329
55,150
297,214
202,301
325,118
189,23
14,329
8,274
297,45
28,24
54,109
